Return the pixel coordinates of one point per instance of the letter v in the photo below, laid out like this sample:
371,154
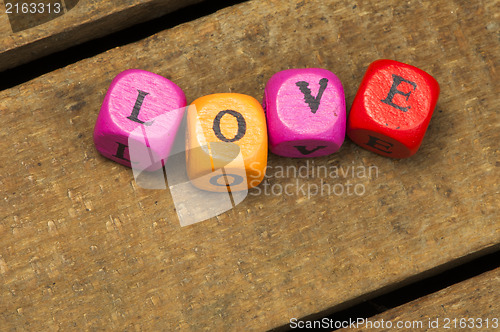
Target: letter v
313,102
302,149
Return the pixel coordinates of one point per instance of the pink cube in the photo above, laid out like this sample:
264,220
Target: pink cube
306,114
139,118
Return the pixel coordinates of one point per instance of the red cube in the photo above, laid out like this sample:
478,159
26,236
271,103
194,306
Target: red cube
392,109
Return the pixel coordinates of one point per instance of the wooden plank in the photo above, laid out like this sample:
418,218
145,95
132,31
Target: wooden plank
28,36
470,305
83,246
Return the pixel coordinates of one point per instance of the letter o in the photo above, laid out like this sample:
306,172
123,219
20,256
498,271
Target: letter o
242,126
237,179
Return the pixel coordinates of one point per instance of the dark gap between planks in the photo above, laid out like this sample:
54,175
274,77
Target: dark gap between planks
413,291
26,72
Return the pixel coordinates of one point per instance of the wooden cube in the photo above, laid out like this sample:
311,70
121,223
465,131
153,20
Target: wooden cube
226,142
306,113
392,109
142,109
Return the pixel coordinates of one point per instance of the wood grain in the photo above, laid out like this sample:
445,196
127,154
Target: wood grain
477,298
82,246
26,37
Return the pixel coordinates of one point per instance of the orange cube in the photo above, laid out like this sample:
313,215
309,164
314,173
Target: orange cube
226,144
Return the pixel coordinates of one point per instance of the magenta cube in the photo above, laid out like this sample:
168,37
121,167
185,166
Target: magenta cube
139,118
306,113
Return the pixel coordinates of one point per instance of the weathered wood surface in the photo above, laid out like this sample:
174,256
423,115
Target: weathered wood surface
23,38
82,246
477,298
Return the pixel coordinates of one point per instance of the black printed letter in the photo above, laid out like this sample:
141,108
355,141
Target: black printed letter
120,152
242,126
302,149
236,180
137,108
376,143
309,99
394,89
